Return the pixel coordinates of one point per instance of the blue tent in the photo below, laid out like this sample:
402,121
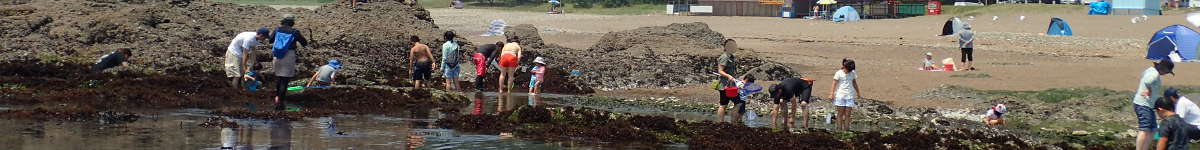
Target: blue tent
1175,39
846,13
1058,27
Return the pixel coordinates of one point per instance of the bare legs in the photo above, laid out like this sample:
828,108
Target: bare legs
506,79
844,117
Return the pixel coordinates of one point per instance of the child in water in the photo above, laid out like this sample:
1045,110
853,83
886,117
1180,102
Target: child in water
539,72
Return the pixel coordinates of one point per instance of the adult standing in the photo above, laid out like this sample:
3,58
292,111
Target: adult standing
1149,89
421,60
283,51
844,93
727,67
510,56
966,42
482,56
450,60
239,52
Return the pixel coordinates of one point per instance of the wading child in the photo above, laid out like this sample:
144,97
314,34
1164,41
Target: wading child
844,92
1173,130
539,75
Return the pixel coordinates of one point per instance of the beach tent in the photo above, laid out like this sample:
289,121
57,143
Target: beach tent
1176,42
1058,27
953,25
845,14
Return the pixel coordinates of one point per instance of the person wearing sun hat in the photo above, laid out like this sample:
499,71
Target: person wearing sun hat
928,62
1149,89
326,75
538,76
995,115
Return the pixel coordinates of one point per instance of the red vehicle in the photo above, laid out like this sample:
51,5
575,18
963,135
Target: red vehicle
933,8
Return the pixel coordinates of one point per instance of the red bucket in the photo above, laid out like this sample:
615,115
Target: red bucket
731,92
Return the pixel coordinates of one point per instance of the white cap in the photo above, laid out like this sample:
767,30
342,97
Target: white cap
928,53
1001,109
539,60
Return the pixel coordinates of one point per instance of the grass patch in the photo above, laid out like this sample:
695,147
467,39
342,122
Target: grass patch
635,9
972,75
12,86
279,2
1056,95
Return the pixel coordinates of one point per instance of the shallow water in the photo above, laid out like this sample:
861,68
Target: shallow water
179,129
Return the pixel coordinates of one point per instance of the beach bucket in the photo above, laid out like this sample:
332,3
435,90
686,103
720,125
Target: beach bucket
731,91
949,68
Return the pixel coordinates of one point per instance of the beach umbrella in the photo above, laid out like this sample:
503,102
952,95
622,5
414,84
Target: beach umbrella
1177,43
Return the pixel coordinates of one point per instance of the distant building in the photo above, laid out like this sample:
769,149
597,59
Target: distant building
1136,7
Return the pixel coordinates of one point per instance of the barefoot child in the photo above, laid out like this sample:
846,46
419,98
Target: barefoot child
844,92
539,75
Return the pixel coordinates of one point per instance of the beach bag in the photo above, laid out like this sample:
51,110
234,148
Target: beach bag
284,41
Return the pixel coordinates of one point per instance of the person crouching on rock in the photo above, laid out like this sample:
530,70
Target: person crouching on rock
116,58
421,60
1173,130
1186,109
482,56
326,75
995,115
726,68
239,53
283,51
844,93
784,92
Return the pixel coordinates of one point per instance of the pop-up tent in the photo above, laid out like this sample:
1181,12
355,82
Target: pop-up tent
845,14
1058,27
1176,42
953,25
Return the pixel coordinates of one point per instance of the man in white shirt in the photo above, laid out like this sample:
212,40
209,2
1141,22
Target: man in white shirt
237,55
1186,110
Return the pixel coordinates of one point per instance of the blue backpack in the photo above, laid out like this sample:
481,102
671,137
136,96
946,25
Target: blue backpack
284,41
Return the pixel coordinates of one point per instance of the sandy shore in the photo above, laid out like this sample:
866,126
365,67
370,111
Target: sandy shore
1106,51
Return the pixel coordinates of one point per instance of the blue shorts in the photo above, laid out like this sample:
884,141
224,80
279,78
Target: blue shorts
1145,116
450,72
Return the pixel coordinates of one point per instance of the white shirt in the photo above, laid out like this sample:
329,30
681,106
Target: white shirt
991,114
928,63
1188,111
845,88
242,40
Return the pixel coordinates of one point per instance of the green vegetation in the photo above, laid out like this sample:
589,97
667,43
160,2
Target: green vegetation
279,2
12,86
1055,95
